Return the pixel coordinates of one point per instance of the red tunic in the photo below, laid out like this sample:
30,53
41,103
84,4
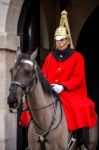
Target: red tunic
78,108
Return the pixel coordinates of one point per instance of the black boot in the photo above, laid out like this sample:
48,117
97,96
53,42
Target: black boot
82,136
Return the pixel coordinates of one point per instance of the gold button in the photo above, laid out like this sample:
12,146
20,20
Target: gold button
56,80
59,69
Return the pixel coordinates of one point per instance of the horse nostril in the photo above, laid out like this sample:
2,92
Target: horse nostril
13,105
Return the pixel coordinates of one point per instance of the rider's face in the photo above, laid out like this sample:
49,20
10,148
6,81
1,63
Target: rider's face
62,44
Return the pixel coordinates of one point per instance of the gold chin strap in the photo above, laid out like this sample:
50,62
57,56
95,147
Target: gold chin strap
64,23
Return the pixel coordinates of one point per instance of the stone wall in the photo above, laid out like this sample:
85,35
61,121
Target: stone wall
9,41
8,123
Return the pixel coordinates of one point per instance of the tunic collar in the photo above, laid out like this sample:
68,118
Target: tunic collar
63,55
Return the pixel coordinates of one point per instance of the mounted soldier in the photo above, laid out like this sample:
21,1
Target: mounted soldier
64,69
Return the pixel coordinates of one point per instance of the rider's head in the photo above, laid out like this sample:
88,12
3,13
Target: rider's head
62,39
62,35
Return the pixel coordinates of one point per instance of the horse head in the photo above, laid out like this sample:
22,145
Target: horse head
22,75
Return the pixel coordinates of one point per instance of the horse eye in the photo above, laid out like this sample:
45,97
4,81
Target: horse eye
27,72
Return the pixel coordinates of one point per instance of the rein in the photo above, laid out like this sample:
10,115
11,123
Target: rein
53,118
37,109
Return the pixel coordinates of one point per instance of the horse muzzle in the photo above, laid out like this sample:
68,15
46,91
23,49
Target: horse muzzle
12,102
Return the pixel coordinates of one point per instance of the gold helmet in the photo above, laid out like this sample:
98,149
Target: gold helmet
60,33
63,30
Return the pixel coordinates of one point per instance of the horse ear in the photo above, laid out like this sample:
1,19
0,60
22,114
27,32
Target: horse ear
34,54
18,52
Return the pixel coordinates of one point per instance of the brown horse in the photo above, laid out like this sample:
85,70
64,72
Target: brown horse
48,129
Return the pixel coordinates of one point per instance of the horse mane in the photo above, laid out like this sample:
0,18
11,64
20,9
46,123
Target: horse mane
44,82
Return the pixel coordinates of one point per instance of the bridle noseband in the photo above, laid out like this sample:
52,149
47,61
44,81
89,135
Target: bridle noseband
18,84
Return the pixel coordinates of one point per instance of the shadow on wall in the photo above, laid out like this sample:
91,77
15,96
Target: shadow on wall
88,45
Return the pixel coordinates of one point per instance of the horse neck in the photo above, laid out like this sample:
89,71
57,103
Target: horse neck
39,99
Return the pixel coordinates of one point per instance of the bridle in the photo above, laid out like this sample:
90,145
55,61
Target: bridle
26,88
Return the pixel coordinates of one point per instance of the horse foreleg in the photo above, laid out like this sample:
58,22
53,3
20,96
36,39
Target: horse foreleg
93,137
32,140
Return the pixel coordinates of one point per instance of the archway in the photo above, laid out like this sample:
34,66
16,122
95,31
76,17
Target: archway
29,26
88,45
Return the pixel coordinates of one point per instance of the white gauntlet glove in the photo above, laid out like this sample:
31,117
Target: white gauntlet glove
57,88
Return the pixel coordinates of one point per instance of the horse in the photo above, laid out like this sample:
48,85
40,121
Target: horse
48,128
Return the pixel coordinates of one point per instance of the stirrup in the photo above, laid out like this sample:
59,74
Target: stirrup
71,143
83,147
